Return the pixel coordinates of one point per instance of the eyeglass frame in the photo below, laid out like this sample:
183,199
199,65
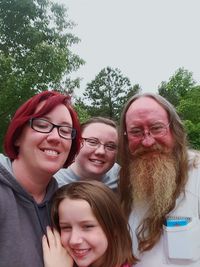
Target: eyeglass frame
73,130
148,132
98,144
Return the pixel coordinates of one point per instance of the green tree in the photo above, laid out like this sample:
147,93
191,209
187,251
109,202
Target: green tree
189,108
81,110
35,55
181,91
193,131
108,92
177,86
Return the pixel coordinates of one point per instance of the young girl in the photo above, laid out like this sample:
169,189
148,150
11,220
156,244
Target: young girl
92,227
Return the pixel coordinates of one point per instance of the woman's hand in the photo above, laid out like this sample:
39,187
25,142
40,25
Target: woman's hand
54,254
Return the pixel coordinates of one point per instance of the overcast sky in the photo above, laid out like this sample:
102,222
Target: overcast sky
148,40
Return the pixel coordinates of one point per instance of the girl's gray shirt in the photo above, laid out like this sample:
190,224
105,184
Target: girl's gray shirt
66,176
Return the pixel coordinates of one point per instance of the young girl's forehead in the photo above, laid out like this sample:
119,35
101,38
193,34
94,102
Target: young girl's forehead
75,211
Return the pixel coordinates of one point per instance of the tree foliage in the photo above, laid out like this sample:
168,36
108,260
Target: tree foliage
184,95
81,110
35,55
108,92
189,108
179,84
193,131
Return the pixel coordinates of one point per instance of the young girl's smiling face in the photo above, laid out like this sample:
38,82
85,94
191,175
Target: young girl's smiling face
81,233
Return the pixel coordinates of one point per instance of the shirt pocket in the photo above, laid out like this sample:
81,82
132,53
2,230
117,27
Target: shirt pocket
182,239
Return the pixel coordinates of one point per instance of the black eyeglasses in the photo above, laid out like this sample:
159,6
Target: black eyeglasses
45,126
95,143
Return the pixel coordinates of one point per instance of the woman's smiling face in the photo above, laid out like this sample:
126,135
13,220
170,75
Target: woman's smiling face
45,152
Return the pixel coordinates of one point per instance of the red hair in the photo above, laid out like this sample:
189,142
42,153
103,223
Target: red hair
27,110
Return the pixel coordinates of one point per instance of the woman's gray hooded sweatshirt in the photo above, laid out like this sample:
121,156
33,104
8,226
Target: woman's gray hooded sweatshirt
22,221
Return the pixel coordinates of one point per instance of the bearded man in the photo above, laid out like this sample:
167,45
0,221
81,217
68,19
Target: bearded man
159,184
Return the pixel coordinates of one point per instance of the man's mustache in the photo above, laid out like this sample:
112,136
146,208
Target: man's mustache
145,150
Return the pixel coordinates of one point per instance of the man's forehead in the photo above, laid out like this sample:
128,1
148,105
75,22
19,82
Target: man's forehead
144,103
146,108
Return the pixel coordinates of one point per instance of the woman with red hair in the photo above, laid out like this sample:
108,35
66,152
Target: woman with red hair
43,136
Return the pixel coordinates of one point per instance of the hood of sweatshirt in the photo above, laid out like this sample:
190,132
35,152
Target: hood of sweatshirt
42,209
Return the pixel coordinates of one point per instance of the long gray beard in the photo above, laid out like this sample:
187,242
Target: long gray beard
153,180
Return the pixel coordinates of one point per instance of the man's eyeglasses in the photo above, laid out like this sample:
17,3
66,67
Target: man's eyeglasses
45,126
157,130
95,143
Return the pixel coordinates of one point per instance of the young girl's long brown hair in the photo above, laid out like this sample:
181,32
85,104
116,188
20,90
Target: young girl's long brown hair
106,209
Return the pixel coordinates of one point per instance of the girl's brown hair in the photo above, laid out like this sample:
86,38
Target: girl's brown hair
106,209
99,119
